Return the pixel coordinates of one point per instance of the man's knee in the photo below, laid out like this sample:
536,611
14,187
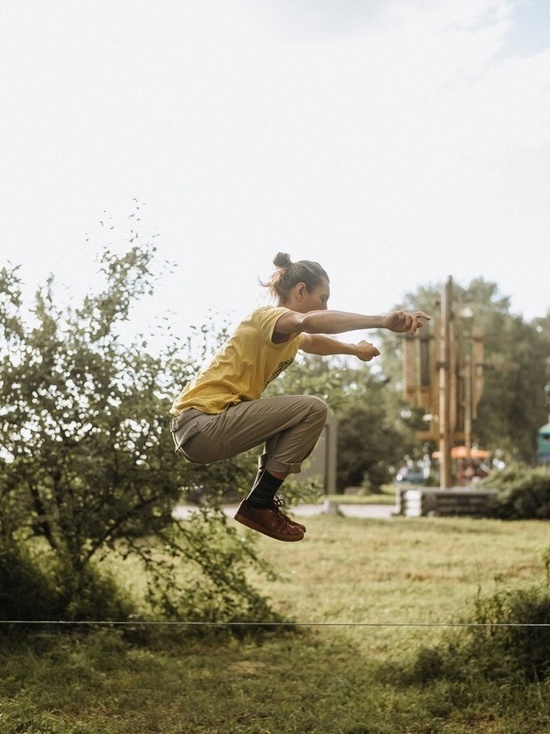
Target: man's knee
317,405
317,410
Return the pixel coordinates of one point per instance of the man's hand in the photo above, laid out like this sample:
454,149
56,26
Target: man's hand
366,351
404,321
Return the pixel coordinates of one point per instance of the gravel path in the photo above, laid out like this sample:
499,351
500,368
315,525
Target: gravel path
372,511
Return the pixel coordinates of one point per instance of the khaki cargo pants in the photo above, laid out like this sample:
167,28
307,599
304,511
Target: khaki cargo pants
289,426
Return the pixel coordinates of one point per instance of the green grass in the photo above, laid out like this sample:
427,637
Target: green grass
386,496
399,572
364,593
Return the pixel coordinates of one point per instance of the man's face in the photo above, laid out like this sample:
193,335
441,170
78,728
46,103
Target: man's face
317,299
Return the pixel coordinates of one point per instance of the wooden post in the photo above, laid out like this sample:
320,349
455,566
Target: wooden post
330,507
444,367
468,403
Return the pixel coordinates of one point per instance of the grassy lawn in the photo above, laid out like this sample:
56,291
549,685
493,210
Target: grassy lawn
403,571
386,496
366,595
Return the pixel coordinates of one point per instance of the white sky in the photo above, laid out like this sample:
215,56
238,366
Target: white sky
395,141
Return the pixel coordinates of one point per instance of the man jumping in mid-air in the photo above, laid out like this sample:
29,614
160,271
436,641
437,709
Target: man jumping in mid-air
221,413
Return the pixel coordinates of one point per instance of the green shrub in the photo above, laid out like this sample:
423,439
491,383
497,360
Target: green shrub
215,587
87,462
93,595
523,492
514,634
33,591
507,638
26,592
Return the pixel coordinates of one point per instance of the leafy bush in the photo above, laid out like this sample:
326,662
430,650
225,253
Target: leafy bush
523,492
514,633
507,638
87,462
212,587
25,590
33,589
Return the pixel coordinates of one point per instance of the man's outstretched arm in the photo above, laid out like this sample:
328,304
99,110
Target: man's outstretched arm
336,322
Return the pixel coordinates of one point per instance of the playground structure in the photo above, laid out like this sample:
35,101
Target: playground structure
443,372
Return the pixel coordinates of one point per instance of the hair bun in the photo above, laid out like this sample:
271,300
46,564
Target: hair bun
281,260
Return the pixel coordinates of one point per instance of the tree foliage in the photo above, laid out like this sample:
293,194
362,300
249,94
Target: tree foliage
87,462
372,438
516,392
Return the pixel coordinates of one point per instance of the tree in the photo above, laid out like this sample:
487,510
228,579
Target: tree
371,443
515,399
87,461
514,404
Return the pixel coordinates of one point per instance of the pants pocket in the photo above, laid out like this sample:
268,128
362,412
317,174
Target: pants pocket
183,434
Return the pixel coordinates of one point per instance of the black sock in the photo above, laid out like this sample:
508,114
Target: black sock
261,496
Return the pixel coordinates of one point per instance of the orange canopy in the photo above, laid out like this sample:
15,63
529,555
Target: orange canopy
461,452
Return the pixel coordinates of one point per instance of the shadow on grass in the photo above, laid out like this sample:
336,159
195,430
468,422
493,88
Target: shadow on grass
241,679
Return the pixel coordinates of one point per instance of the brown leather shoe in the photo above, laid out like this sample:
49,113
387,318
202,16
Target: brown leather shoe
271,522
279,501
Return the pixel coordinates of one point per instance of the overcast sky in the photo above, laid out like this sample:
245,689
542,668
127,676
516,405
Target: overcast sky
395,141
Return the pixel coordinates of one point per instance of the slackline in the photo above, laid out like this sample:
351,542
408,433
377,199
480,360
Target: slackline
158,623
